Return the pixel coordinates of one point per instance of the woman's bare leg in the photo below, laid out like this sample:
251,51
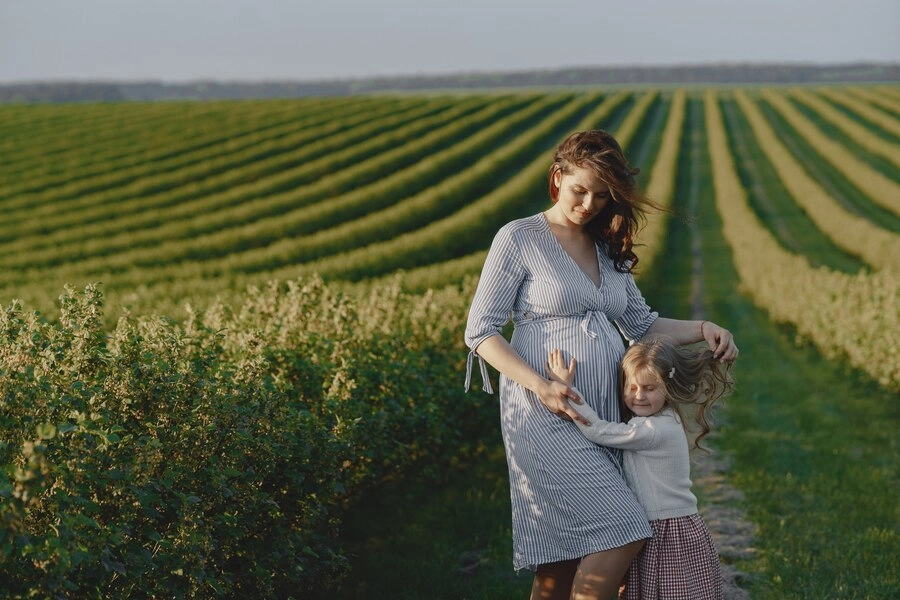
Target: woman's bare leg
553,581
598,575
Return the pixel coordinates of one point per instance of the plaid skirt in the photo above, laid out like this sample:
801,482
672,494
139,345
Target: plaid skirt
679,562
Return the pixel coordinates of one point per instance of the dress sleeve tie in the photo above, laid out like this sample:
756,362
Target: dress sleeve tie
484,372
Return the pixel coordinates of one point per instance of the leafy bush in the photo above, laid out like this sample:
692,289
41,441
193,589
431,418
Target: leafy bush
215,456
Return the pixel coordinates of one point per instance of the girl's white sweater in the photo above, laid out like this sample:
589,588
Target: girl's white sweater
656,459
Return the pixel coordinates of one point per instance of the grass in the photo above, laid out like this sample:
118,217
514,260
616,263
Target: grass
449,538
814,450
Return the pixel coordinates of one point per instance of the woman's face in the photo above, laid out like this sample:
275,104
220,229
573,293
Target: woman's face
582,195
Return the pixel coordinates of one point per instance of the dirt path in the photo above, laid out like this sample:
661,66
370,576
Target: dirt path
731,531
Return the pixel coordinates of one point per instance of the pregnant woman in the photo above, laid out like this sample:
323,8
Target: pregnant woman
564,276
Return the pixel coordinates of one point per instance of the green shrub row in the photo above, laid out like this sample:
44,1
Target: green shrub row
875,185
452,189
661,185
215,457
404,201
247,223
209,142
850,318
187,278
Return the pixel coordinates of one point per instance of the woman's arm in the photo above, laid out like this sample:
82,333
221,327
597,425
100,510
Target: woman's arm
552,394
719,339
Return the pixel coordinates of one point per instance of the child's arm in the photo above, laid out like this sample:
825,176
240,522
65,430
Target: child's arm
615,435
605,433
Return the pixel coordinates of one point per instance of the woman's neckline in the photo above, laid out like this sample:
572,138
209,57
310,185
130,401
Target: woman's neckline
574,263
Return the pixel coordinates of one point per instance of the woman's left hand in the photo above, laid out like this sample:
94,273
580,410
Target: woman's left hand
720,341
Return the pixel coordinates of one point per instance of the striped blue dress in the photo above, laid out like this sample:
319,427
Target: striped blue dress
569,497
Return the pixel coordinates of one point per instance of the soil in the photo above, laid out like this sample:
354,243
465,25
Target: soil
731,531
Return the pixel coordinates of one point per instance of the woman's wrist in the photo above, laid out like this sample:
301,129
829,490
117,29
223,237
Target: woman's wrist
702,333
540,385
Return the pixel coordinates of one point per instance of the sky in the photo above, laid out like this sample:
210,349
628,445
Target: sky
303,40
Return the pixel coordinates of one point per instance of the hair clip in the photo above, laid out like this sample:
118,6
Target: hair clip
672,373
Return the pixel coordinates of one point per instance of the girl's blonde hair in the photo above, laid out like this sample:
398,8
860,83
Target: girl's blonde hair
693,379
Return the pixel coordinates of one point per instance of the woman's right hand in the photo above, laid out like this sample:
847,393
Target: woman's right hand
556,396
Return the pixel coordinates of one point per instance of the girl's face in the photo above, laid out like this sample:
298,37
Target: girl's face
582,195
645,393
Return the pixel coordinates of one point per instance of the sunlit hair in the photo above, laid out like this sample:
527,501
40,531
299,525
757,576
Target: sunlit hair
693,379
622,217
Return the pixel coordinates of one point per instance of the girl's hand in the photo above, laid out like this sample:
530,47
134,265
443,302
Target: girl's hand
556,367
720,341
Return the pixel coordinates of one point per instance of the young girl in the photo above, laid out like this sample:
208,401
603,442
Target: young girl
661,385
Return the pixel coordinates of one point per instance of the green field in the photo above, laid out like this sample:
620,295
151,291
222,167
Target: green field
284,283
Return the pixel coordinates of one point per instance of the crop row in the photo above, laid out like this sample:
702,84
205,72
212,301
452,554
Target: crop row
861,103
661,186
859,134
197,164
169,287
773,203
397,215
410,207
848,317
625,133
885,97
457,269
157,137
838,187
318,157
854,234
170,149
436,275
209,219
876,186
469,228
54,128
886,91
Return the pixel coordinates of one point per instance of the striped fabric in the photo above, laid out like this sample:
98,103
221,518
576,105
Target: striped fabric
569,498
679,563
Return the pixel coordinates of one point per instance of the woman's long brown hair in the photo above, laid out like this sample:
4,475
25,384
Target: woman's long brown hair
620,220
